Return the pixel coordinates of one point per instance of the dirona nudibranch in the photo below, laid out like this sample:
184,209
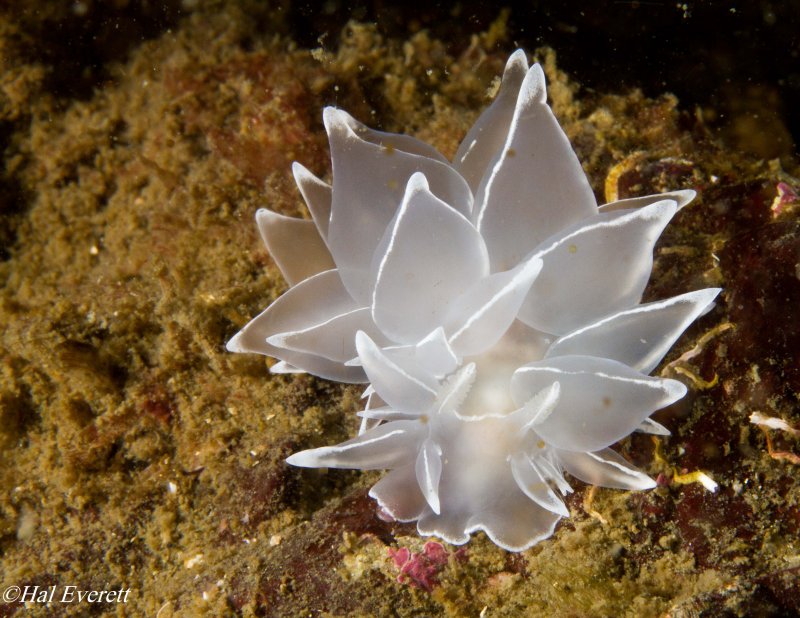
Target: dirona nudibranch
491,305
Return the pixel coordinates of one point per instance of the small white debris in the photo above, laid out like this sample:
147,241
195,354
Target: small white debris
193,561
275,539
27,523
707,482
772,422
172,488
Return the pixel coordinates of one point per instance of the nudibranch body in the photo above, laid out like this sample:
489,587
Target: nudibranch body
491,305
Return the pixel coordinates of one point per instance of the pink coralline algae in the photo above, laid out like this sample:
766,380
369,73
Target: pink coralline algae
786,195
421,569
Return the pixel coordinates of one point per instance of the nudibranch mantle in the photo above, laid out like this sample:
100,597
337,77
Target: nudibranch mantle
492,307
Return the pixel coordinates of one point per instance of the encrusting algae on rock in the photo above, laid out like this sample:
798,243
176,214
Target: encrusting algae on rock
137,451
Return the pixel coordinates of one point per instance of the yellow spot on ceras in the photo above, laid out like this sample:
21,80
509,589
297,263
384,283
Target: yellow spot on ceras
388,148
393,184
572,248
511,152
540,444
606,402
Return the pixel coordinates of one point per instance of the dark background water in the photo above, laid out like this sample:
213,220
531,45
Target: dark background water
732,57
729,57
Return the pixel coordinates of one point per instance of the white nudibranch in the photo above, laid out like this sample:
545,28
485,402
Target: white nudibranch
491,305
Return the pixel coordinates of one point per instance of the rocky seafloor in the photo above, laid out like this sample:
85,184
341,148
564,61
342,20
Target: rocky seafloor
138,454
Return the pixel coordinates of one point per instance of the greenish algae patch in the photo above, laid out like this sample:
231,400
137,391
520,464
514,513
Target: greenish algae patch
136,452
